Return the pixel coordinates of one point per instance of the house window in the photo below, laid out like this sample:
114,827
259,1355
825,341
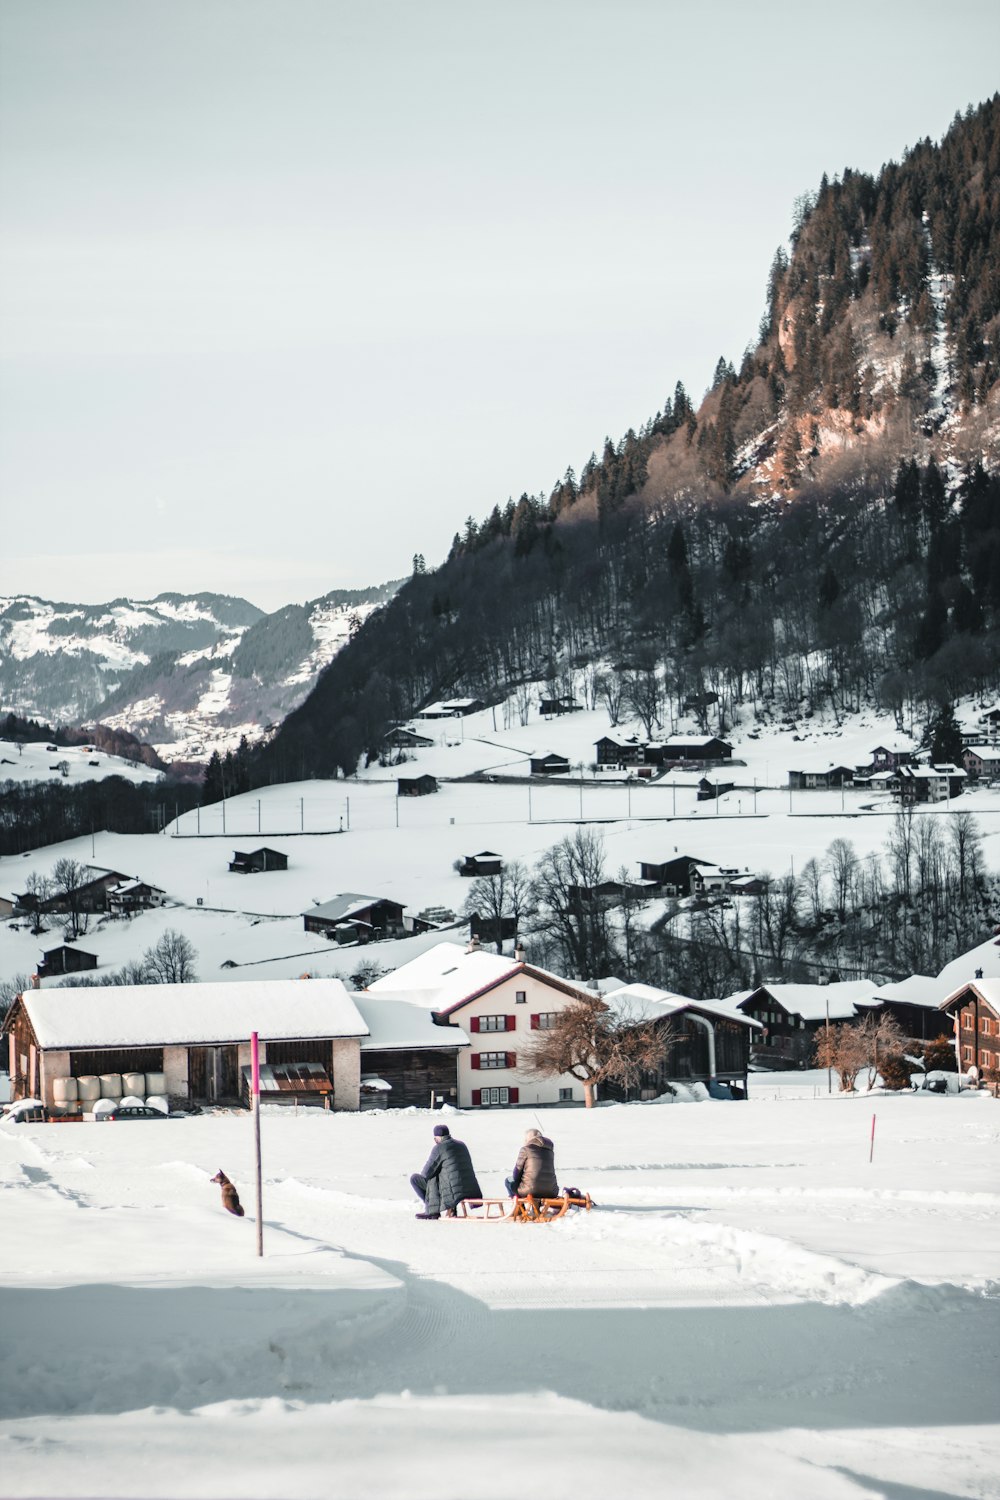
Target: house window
492,1023
494,1096
565,1096
521,997
545,1020
492,1059
967,1054
985,1059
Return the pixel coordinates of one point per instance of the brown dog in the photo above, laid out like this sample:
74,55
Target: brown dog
230,1197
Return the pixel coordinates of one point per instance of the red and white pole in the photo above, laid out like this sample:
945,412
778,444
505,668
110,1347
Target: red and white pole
255,1105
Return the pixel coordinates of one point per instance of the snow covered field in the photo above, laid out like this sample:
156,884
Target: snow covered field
752,1309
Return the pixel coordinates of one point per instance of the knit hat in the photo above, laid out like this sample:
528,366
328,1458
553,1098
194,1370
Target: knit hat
440,1130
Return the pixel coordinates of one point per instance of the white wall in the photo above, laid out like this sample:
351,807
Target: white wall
538,997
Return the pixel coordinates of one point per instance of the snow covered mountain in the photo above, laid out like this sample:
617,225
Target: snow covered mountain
186,673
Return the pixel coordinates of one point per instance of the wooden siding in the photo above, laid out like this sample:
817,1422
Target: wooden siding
413,1074
116,1060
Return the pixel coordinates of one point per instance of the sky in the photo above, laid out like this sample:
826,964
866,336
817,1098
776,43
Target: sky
290,288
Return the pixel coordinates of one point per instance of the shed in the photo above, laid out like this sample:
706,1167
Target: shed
66,959
197,1035
382,918
258,860
408,1052
549,764
416,786
486,862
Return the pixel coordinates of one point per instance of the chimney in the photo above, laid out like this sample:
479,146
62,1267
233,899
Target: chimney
518,951
473,945
36,983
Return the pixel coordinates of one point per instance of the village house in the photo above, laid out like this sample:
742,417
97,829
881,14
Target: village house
134,895
451,708
548,763
90,896
350,918
552,708
674,876
974,1010
793,1014
685,750
822,779
499,1003
619,751
891,757
930,783
416,786
705,1041
257,860
193,1039
402,738
981,762
914,1004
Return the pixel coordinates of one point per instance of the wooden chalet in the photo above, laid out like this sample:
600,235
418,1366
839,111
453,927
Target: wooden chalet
416,786
66,959
451,708
930,783
891,757
823,779
193,1038
704,1042
791,1016
711,791
355,918
486,862
978,761
402,738
90,896
974,1010
673,876
257,860
554,708
549,764
915,1005
492,930
134,895
620,751
679,751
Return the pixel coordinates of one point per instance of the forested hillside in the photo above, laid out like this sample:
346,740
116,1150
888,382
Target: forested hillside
821,531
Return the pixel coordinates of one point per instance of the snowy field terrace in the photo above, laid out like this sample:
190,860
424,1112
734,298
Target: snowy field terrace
752,1308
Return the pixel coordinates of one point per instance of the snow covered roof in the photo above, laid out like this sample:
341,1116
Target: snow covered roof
447,976
918,989
810,1000
343,906
153,1015
962,970
644,1002
398,1024
988,989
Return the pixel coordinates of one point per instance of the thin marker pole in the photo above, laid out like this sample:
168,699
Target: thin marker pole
871,1149
255,1099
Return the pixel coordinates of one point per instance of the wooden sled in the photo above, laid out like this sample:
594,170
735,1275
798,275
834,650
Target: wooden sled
520,1210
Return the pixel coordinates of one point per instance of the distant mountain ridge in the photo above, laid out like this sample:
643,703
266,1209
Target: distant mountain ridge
185,673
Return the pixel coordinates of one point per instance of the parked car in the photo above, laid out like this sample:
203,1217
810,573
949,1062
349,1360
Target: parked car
133,1112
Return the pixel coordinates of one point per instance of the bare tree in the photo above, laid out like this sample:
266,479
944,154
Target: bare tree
842,864
965,839
843,1049
590,1042
69,877
571,917
172,960
37,890
609,689
10,989
643,696
508,894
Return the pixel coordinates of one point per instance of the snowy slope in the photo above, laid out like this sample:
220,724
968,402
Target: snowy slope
752,1309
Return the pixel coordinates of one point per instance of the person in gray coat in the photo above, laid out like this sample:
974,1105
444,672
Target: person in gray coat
447,1178
534,1174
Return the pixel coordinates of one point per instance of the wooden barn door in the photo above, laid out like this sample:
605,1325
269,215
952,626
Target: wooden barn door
213,1073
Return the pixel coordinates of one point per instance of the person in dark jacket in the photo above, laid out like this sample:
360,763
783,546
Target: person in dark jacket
447,1178
534,1174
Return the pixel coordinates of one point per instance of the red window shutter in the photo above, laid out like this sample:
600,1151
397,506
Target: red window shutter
512,1096
477,1096
512,1059
511,1023
473,1023
475,1060
534,1022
